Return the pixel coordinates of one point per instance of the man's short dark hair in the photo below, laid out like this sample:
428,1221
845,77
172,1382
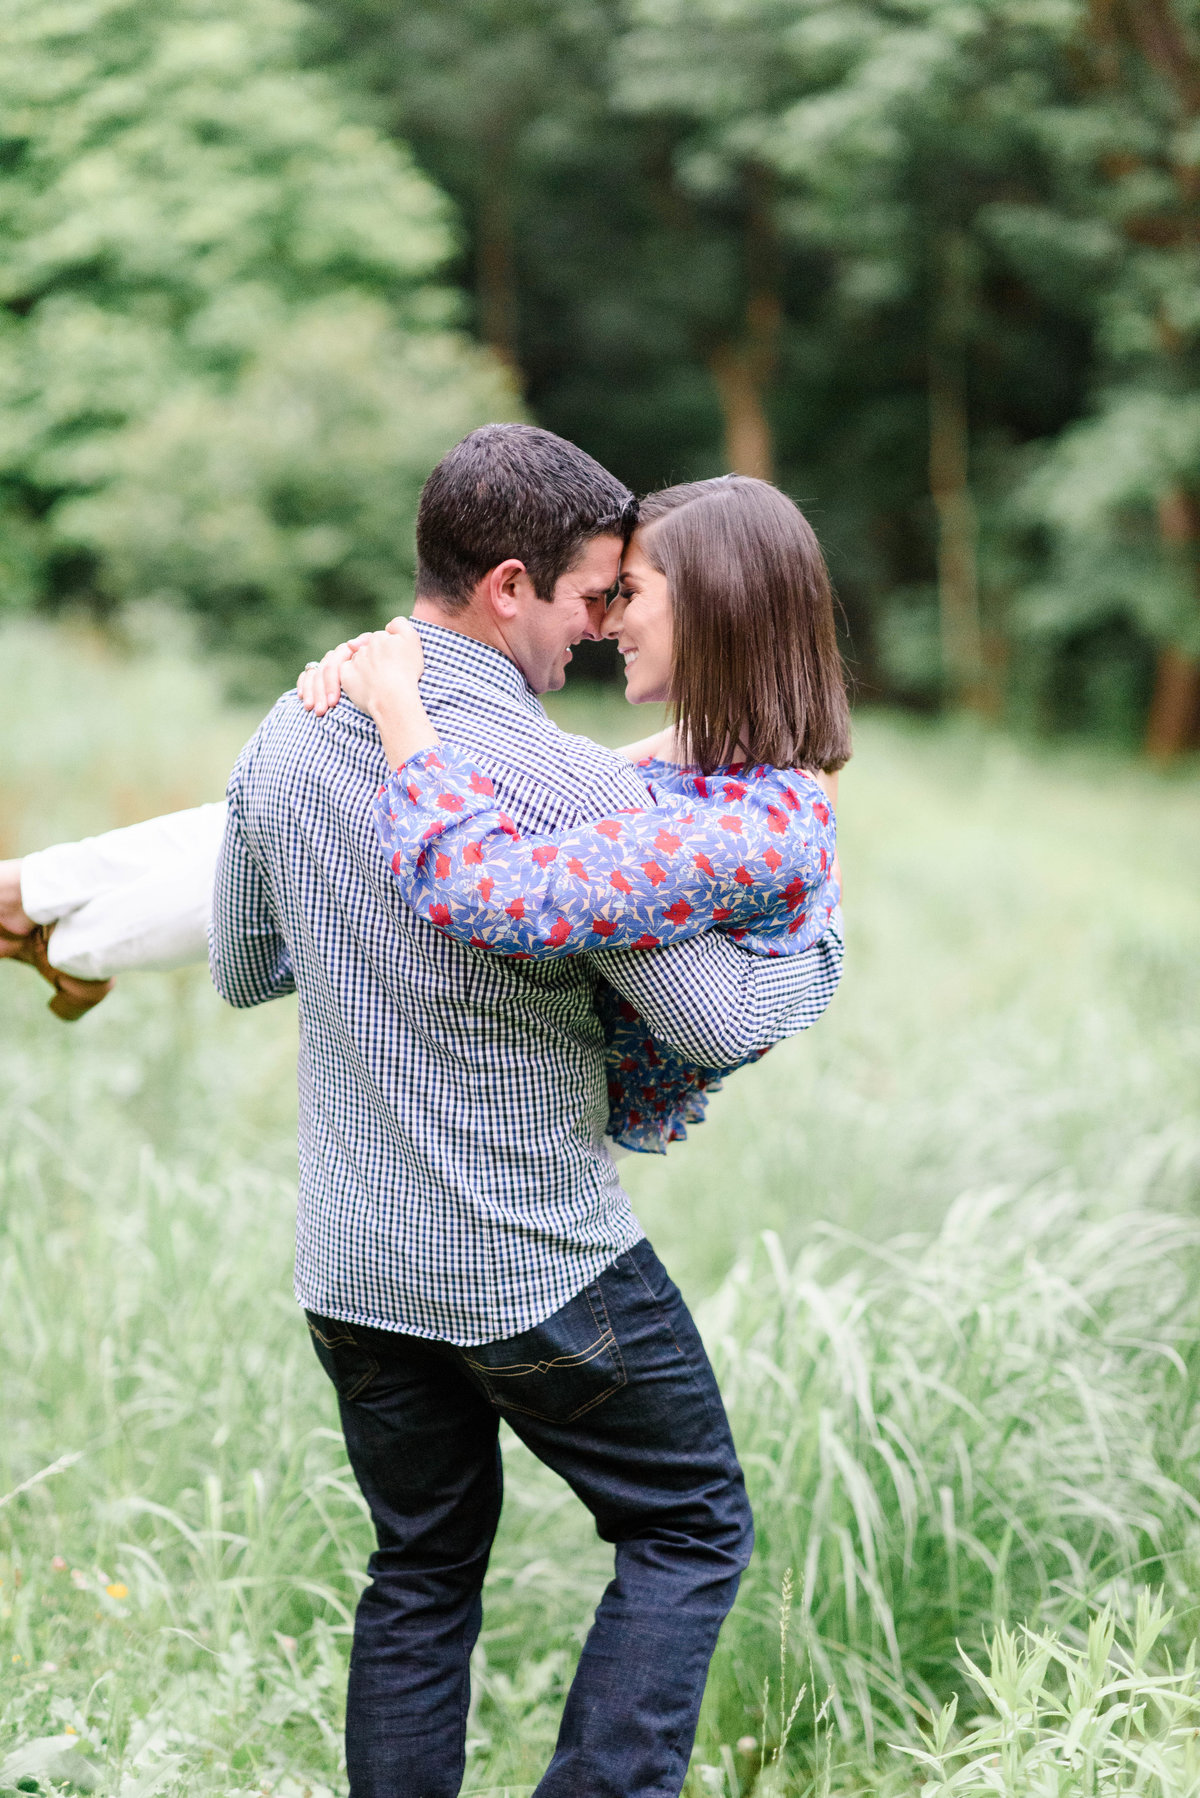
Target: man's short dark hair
513,491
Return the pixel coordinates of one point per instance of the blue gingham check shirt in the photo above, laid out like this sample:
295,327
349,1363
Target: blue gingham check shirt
454,1179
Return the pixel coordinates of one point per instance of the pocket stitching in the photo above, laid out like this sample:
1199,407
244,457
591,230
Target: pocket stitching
516,1369
331,1341
345,1335
508,1404
360,1386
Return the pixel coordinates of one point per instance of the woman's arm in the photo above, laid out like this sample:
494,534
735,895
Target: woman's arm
715,852
737,853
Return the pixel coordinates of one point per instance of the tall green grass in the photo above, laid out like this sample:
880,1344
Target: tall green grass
945,1252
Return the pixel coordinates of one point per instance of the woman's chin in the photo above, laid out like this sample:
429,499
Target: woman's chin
638,692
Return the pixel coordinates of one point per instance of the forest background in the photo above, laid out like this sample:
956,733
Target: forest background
933,266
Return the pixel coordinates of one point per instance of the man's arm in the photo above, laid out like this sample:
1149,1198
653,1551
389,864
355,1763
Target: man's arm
718,1003
713,1000
247,956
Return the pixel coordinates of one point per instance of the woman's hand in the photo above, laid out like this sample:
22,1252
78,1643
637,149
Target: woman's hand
320,684
383,668
382,677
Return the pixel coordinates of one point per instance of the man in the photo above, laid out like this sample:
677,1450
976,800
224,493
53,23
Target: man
465,1251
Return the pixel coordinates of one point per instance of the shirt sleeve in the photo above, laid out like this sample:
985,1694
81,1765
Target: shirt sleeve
751,851
720,1004
247,955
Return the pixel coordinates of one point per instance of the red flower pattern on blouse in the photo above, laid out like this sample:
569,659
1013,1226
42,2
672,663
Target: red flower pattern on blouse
747,849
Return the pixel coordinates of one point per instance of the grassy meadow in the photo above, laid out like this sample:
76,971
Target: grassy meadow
945,1251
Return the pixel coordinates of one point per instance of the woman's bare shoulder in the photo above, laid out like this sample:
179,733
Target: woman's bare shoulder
660,747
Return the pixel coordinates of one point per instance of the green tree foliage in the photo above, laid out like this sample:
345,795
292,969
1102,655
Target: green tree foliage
226,359
1006,193
894,143
1118,495
931,266
588,273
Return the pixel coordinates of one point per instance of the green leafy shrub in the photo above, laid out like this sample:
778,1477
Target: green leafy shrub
227,359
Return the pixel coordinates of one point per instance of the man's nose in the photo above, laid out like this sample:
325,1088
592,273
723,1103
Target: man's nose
611,622
595,621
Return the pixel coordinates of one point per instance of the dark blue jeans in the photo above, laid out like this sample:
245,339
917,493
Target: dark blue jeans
615,1393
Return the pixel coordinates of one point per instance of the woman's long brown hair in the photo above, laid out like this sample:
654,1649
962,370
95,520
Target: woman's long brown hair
757,671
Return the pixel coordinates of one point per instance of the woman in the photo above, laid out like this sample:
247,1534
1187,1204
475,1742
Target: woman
724,611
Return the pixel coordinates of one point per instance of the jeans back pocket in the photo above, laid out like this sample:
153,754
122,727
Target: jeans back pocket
559,1369
348,1362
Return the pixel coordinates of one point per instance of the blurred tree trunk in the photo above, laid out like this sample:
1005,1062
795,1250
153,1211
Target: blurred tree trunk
1167,46
1174,721
1154,30
1175,708
741,369
748,445
495,261
949,480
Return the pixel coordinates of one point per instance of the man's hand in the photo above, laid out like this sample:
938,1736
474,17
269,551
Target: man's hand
12,912
320,684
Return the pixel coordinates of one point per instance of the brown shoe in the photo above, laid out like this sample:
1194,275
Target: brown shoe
18,945
72,996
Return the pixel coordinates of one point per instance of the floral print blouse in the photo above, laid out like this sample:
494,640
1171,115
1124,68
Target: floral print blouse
749,850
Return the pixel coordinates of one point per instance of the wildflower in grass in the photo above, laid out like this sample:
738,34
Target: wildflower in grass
58,1564
117,1590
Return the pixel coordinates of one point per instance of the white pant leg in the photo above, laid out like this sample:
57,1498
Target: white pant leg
134,898
59,880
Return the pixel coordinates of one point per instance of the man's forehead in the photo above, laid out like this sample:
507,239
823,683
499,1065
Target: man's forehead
597,565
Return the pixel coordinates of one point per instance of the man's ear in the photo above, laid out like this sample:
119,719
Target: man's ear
503,589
